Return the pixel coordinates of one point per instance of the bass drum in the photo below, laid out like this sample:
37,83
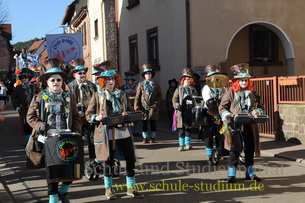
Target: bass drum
200,115
212,105
187,113
64,157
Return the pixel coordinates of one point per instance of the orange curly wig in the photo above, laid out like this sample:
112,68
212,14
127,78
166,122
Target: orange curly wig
102,82
236,86
193,83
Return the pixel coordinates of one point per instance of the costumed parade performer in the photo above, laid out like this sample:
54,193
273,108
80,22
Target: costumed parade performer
240,98
83,90
108,101
21,99
53,115
148,97
130,89
212,93
183,104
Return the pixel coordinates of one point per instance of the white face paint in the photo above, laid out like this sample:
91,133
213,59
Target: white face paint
243,83
25,80
148,76
55,83
187,82
80,76
110,83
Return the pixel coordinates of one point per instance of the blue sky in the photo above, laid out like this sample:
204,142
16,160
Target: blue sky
35,18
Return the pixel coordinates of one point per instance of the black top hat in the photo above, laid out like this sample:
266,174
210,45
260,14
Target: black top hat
53,66
173,80
147,68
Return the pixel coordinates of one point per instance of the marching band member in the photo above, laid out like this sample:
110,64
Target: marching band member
148,97
111,100
21,99
186,88
211,97
83,90
53,110
240,98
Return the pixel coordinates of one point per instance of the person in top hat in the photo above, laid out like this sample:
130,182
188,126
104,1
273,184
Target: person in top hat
172,85
53,110
148,97
130,89
109,139
211,97
21,99
240,98
185,90
83,90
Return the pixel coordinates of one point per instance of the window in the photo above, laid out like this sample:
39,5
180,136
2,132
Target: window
84,31
132,3
96,29
133,54
153,48
263,46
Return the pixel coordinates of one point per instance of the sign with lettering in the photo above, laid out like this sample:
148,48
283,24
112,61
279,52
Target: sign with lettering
65,46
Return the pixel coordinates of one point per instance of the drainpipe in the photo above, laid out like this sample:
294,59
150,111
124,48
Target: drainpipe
188,33
116,5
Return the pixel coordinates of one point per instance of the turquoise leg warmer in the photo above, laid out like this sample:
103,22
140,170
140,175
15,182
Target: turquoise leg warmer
153,134
53,198
231,171
250,171
145,134
130,182
107,182
27,137
64,188
209,151
187,140
181,141
97,161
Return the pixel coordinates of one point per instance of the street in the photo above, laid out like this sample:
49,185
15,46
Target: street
163,173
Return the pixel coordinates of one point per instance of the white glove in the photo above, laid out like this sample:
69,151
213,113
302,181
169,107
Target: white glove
18,108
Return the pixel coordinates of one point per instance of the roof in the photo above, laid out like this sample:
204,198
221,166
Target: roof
69,13
33,48
43,55
6,31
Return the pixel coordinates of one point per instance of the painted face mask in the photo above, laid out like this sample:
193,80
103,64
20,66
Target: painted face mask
55,83
110,82
80,76
187,82
148,76
243,83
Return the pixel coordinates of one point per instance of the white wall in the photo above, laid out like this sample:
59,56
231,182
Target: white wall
169,17
96,11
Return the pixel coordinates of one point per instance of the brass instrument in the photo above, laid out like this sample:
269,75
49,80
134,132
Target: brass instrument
217,81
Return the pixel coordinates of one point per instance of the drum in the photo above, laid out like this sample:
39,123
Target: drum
64,157
113,120
133,117
212,105
187,114
200,115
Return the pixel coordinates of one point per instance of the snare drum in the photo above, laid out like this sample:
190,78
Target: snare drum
64,157
199,115
212,105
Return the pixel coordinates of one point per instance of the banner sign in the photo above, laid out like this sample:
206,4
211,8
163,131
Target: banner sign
65,46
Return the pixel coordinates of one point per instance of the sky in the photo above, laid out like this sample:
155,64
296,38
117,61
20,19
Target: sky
35,18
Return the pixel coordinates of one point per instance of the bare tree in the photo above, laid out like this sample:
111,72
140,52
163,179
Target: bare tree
3,12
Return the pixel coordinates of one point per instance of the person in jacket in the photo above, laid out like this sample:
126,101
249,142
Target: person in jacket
240,98
109,139
21,99
212,97
130,89
172,85
83,90
148,97
185,90
54,110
